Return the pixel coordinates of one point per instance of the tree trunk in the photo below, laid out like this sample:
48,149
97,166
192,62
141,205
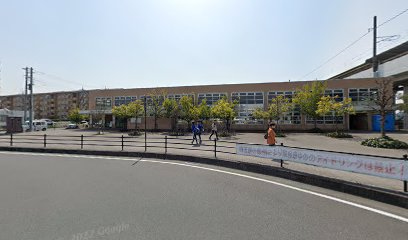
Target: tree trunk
336,121
136,124
125,124
155,123
173,124
383,114
227,125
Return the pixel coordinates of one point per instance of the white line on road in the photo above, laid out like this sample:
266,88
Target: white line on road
391,215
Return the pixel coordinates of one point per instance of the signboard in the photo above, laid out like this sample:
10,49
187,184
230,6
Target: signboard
376,166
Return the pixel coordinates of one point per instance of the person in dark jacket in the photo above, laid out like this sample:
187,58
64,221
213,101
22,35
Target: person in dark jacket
200,130
194,130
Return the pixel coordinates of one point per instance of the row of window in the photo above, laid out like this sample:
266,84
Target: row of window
362,94
249,101
124,100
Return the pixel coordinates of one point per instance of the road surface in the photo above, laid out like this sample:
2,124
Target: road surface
61,197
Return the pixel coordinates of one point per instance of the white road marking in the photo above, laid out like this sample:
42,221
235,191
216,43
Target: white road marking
391,215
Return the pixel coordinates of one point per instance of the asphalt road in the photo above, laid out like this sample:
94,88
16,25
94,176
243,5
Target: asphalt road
48,197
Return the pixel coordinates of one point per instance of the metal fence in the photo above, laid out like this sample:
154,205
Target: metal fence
159,144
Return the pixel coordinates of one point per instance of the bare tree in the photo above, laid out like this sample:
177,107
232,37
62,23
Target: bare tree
382,101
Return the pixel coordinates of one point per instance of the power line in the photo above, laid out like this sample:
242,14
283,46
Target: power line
390,19
330,59
57,78
351,44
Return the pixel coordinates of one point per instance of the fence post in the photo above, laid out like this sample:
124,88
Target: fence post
281,161
165,147
215,147
82,141
405,156
11,139
145,142
45,140
122,142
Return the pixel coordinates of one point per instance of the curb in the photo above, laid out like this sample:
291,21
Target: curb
378,194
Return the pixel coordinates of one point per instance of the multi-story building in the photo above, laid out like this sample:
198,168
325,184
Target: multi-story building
252,96
249,96
391,63
55,105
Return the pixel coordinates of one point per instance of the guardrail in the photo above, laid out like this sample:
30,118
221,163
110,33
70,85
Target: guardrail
386,167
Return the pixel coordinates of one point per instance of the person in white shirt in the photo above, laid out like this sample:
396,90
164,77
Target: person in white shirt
214,130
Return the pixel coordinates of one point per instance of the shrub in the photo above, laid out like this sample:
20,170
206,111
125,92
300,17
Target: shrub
176,133
226,134
137,133
384,142
316,130
280,135
339,135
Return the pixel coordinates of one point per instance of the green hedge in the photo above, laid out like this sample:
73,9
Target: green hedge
385,142
339,135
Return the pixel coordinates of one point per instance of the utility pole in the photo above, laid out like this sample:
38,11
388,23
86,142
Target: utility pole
25,94
375,63
0,78
31,99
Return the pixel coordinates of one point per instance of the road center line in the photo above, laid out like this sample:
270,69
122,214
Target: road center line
391,215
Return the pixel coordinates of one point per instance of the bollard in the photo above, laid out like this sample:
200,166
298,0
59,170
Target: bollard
45,140
165,147
82,141
11,139
215,147
122,142
405,156
281,161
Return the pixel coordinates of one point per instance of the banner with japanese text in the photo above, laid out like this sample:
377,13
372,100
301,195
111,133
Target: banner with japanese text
376,166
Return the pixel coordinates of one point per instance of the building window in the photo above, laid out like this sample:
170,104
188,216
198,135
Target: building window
177,97
338,93
248,102
211,98
149,104
362,94
330,118
103,103
120,100
292,117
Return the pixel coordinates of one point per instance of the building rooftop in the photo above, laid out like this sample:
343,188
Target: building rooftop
383,57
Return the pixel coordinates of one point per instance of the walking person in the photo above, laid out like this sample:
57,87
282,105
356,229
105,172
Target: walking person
194,129
200,130
214,130
271,135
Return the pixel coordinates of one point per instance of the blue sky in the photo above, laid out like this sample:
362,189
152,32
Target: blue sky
152,43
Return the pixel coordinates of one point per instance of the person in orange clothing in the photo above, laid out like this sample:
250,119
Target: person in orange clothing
271,140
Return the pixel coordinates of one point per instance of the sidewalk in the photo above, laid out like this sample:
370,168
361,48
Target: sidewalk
70,139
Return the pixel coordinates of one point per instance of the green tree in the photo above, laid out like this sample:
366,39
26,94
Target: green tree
122,113
135,109
188,111
204,110
260,114
277,107
155,106
224,110
75,116
172,111
382,101
308,97
328,104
